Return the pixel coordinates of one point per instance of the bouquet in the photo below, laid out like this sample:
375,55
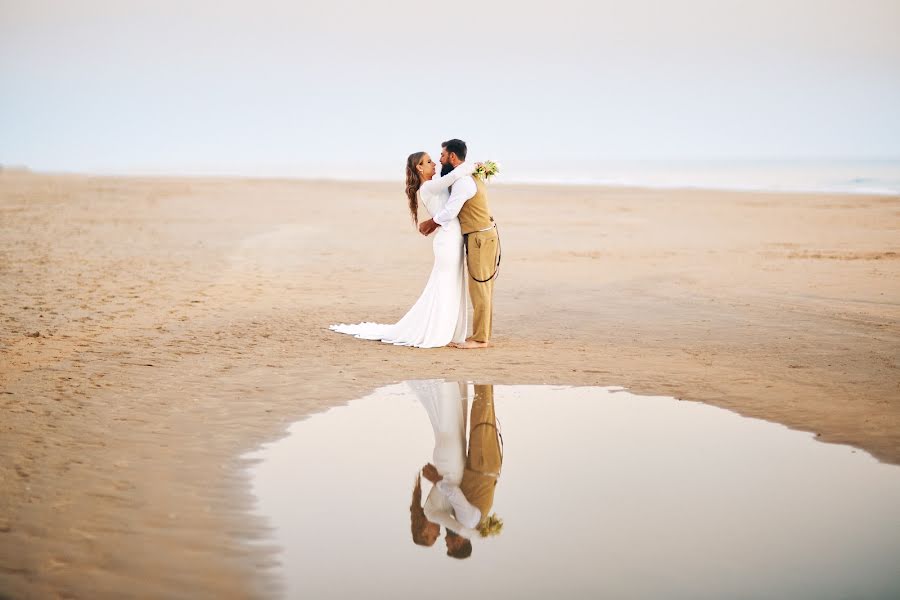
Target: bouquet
485,170
493,525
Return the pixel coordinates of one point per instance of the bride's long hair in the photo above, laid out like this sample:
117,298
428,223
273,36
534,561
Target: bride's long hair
413,183
418,522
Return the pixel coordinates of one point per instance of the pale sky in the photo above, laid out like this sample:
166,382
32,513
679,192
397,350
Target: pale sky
269,87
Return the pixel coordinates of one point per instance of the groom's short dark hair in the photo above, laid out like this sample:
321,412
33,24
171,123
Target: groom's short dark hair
457,147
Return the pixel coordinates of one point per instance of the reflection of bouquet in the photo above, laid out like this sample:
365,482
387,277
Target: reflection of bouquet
493,525
485,170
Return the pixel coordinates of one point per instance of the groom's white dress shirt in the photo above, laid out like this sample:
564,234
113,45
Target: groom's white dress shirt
463,190
447,506
464,511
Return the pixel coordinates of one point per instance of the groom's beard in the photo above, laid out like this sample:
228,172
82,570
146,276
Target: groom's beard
446,168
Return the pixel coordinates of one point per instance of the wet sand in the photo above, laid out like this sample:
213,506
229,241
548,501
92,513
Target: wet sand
152,330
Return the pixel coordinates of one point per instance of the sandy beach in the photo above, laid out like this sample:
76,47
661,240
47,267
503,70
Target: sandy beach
154,329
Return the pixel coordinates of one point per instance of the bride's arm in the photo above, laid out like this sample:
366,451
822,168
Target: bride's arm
435,186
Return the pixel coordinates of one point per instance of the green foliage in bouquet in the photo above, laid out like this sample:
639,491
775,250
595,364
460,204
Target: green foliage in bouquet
485,170
493,525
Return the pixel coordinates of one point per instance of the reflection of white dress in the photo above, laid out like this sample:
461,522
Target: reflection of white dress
446,404
439,315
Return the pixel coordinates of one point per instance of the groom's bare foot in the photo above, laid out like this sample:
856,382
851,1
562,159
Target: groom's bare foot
472,345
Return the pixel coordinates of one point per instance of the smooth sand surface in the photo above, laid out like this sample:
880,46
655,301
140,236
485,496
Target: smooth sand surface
152,330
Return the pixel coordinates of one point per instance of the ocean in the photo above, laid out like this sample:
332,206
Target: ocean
880,177
850,177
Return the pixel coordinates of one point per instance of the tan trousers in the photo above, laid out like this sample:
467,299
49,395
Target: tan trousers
485,454
482,260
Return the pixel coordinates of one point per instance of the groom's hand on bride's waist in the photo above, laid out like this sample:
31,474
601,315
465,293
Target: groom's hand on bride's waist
427,227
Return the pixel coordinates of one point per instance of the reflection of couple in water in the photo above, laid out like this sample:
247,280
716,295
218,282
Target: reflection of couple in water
462,493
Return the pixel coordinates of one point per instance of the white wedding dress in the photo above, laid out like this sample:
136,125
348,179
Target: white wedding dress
439,315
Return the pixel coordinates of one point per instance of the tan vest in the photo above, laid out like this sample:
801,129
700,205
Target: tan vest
475,214
478,489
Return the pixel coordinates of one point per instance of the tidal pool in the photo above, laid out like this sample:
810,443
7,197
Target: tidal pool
602,494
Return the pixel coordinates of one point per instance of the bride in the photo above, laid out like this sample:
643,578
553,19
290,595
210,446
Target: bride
438,318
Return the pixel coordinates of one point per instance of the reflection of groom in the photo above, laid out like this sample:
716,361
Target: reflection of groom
485,452
479,478
468,201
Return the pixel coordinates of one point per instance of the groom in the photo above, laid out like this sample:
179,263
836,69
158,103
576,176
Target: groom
468,200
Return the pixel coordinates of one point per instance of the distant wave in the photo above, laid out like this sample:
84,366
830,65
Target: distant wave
834,177
847,177
871,188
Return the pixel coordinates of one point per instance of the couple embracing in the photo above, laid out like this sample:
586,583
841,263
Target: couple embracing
463,475
466,237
